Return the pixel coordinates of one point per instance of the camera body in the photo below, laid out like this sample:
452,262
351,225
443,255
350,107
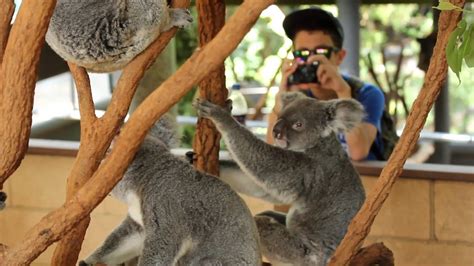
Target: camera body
305,73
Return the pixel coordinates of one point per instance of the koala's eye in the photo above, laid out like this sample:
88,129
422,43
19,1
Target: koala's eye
298,126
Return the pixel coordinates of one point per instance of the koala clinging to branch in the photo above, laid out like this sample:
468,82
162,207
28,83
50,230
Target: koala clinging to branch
309,170
177,215
104,35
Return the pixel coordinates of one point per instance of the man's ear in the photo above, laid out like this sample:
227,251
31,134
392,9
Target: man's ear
343,115
289,97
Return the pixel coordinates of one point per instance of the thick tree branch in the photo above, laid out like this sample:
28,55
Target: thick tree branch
6,14
375,254
207,138
55,224
97,134
17,81
435,77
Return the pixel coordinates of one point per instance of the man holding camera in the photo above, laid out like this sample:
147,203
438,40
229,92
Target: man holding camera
317,48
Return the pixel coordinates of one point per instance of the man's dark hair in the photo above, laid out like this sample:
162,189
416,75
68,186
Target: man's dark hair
312,19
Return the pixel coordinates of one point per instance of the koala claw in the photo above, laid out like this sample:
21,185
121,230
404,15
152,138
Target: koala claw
3,198
204,107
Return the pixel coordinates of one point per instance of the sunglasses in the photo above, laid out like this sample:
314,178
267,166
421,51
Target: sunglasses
303,54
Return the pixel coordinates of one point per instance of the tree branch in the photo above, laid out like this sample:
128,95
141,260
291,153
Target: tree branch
206,138
86,103
435,77
17,81
6,14
55,224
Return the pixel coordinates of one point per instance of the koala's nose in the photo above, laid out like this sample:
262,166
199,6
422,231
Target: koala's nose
279,129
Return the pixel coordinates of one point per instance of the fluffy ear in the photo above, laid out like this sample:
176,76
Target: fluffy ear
289,97
343,115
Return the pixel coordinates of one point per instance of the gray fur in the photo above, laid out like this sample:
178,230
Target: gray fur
104,35
312,173
183,216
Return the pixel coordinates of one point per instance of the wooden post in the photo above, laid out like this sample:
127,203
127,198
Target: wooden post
54,225
211,15
434,78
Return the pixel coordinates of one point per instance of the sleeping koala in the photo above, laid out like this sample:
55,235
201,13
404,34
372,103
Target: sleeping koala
177,215
309,170
104,35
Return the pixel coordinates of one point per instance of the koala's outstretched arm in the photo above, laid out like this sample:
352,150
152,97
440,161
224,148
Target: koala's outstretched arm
279,172
123,244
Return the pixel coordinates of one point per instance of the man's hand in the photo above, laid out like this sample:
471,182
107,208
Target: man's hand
330,78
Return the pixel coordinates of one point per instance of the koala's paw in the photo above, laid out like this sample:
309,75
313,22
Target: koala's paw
207,109
180,17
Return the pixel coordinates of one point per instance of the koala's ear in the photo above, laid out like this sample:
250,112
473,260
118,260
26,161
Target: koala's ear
343,115
289,97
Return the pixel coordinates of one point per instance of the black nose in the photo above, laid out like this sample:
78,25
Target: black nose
279,129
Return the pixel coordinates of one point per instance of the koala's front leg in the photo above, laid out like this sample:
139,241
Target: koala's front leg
270,167
123,244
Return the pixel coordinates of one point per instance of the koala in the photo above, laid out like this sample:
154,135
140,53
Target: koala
308,168
176,214
104,35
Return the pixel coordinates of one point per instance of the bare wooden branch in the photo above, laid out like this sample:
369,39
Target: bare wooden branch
84,92
435,77
18,79
6,14
206,138
55,224
97,134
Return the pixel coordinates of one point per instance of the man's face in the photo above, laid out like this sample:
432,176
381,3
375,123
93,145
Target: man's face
310,40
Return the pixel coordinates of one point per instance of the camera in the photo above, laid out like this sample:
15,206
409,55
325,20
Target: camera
304,74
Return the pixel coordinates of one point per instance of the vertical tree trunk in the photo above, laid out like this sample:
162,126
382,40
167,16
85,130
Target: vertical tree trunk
17,81
434,78
207,138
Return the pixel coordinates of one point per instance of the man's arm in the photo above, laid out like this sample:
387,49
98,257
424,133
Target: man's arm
359,140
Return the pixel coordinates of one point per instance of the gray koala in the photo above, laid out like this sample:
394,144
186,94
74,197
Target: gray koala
104,35
177,215
309,170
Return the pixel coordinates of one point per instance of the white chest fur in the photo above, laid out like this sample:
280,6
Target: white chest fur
134,208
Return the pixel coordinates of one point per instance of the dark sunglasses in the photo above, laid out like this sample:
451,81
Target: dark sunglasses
303,54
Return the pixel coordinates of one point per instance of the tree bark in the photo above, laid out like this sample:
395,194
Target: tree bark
206,144
54,225
6,14
434,78
17,81
97,134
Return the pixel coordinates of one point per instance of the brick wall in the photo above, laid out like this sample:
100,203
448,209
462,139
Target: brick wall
423,222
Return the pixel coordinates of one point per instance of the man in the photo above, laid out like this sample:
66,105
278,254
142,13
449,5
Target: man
317,37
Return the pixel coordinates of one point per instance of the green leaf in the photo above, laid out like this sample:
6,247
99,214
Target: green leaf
469,48
454,54
446,5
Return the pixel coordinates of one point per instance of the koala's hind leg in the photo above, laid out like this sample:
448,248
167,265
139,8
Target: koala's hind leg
282,247
123,244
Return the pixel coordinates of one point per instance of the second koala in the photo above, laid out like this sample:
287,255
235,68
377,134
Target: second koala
104,35
309,170
177,215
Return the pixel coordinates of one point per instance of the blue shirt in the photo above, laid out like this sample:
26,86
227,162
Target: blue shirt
373,100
